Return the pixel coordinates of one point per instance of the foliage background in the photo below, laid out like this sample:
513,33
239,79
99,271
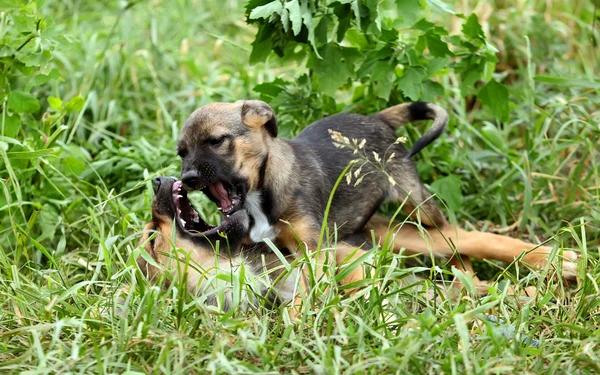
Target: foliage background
93,95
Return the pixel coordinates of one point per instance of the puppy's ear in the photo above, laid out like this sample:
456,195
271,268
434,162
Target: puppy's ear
256,113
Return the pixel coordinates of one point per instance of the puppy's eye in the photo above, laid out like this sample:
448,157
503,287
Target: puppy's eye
152,238
182,153
217,141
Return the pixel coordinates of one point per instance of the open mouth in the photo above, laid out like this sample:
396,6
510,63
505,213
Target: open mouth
185,214
226,197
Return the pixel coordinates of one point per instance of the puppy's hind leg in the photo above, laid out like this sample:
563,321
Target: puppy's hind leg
474,244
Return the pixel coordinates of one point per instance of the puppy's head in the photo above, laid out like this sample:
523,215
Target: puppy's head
224,150
171,210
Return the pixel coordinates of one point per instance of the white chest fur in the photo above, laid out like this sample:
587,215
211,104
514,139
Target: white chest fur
261,228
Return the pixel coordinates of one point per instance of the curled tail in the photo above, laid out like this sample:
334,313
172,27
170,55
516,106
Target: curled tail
401,114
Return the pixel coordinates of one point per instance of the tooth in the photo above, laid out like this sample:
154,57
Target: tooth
179,196
183,222
178,211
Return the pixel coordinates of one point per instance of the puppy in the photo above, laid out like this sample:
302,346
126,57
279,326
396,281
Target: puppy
232,153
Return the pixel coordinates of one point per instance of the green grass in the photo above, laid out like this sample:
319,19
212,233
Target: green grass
71,222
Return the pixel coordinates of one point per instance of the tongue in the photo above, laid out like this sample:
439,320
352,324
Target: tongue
218,190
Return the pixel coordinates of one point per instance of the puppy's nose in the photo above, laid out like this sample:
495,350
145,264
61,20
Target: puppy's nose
190,179
156,184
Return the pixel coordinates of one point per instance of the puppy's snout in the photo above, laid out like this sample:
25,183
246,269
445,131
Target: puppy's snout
161,181
191,179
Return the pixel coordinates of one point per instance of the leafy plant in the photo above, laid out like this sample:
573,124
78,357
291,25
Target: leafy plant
376,53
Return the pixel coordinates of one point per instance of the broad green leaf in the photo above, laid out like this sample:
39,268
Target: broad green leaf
39,61
285,19
11,126
411,83
423,25
409,10
55,103
23,102
75,104
472,28
468,81
373,7
262,44
251,4
265,11
356,39
356,10
322,29
436,64
449,190
431,91
293,8
335,67
270,89
308,20
40,79
495,96
343,13
260,51
437,47
24,23
383,77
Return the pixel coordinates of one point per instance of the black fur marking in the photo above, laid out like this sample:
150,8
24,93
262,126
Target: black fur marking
423,142
268,199
231,148
373,212
419,111
271,127
262,172
272,299
298,194
153,235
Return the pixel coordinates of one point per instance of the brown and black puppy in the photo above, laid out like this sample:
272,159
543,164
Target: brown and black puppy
180,242
231,152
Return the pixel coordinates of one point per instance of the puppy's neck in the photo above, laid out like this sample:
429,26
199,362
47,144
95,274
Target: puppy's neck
280,165
267,201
